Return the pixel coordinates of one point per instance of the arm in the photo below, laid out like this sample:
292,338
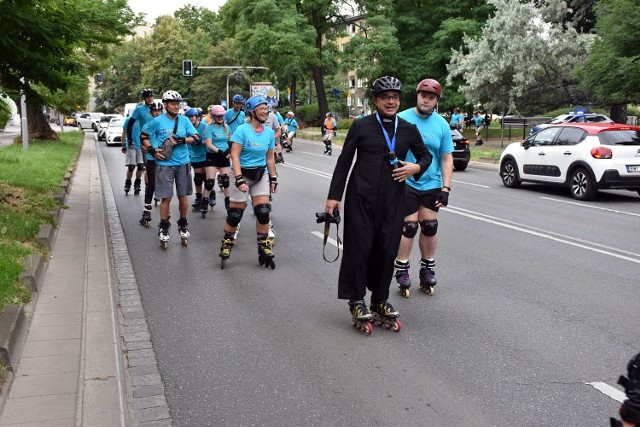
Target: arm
132,120
236,149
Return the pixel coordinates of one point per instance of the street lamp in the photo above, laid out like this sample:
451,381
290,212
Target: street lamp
231,74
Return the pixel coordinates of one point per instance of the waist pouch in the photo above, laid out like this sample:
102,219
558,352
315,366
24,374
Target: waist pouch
254,174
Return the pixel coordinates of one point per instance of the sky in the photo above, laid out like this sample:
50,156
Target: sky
155,8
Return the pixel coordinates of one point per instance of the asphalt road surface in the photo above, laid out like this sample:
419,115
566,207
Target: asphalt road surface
536,308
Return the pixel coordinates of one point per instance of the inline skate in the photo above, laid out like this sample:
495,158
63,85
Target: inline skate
184,231
427,276
220,186
136,187
146,216
361,316
225,249
402,277
163,233
195,206
127,186
212,199
265,251
204,207
385,315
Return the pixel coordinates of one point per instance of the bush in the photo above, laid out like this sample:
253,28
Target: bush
345,124
5,113
309,114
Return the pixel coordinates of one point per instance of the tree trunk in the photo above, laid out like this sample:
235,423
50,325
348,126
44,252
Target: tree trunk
38,125
619,113
323,105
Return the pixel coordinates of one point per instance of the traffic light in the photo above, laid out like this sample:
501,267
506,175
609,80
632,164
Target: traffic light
187,68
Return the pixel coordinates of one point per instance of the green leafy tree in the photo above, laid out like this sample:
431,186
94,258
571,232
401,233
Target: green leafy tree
612,72
122,79
195,18
524,61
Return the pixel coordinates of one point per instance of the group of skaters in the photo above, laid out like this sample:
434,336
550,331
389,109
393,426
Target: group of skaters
459,120
400,179
172,149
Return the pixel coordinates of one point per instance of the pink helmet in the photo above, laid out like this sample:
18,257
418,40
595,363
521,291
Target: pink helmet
217,110
430,85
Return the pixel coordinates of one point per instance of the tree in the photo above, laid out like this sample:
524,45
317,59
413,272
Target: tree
196,17
612,72
122,79
524,61
51,43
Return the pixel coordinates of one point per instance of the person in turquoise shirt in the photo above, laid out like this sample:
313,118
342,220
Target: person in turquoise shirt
198,153
149,172
234,116
430,192
478,121
216,138
166,138
291,126
457,119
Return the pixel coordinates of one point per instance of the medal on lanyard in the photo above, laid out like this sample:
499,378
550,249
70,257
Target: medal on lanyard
393,160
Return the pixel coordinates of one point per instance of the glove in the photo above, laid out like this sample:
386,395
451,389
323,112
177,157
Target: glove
443,198
239,181
225,153
274,181
124,150
197,140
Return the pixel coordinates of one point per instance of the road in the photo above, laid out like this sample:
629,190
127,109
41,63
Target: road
537,299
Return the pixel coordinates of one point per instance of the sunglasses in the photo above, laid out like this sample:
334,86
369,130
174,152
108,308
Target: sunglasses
217,117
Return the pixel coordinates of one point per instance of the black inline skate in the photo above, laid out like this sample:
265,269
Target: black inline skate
361,316
127,186
402,277
204,207
136,187
265,251
163,233
220,186
146,216
427,276
225,249
184,231
195,206
385,315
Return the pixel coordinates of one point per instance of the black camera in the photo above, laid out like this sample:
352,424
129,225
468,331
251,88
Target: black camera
324,217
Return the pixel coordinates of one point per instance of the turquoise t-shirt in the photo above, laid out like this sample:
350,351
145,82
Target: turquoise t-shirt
161,128
254,145
457,119
231,120
142,116
279,116
218,136
198,151
478,120
436,135
292,124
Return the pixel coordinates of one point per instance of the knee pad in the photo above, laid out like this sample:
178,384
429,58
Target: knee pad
198,179
131,168
429,228
224,180
209,184
262,213
234,215
141,167
410,229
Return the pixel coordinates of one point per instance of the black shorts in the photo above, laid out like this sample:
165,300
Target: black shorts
217,160
199,165
413,199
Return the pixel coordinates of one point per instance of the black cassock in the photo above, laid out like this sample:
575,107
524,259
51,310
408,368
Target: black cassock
373,204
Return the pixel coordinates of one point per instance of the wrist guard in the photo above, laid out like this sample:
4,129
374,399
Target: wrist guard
151,151
239,181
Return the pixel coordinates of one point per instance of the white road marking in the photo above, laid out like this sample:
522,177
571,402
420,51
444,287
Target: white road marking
610,391
308,170
329,240
470,183
584,205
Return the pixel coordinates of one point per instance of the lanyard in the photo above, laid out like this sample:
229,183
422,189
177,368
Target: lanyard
390,143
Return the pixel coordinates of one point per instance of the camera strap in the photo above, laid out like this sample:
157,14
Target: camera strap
327,229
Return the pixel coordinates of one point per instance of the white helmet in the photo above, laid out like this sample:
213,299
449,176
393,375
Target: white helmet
171,95
290,113
156,105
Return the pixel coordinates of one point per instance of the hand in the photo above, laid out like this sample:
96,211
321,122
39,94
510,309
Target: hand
443,199
124,150
405,170
331,205
158,154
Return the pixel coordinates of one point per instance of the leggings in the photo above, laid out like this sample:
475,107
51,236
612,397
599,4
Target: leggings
150,188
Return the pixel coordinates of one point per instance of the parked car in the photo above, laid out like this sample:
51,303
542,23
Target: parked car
103,123
88,120
461,153
584,157
69,121
572,117
114,132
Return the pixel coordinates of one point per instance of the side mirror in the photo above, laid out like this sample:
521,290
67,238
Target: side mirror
526,144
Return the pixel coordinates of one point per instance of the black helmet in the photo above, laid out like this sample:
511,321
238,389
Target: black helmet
384,84
146,92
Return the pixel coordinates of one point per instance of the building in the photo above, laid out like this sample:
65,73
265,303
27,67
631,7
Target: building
356,99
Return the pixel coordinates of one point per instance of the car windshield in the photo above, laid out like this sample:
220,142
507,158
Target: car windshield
620,137
560,119
455,134
116,123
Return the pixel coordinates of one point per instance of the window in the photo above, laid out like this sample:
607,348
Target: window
545,136
359,102
359,82
352,82
570,136
620,137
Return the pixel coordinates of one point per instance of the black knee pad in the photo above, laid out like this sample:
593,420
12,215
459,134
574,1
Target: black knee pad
131,168
224,180
209,184
429,228
141,167
198,178
410,229
234,215
262,213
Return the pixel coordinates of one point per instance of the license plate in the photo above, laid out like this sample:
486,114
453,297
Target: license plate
633,168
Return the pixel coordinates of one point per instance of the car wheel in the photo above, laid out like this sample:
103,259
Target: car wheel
94,127
79,126
509,174
582,185
460,166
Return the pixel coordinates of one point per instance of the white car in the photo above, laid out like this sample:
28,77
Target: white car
104,123
584,157
114,132
88,120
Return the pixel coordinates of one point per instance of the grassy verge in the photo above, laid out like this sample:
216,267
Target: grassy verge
28,181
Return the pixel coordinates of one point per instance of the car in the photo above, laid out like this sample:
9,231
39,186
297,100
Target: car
114,132
583,157
69,121
88,120
103,123
572,117
461,153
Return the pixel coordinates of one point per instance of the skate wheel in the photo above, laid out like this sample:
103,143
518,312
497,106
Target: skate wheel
397,326
222,263
204,215
404,292
164,245
185,242
429,290
367,328
273,265
147,224
388,325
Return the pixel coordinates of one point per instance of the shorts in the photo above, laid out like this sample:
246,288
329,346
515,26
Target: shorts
413,199
478,129
217,160
328,136
291,134
198,165
166,176
256,188
134,157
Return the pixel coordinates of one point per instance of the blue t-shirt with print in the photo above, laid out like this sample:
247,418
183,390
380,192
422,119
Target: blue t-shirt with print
198,151
292,124
229,117
254,145
142,116
218,135
161,128
436,135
